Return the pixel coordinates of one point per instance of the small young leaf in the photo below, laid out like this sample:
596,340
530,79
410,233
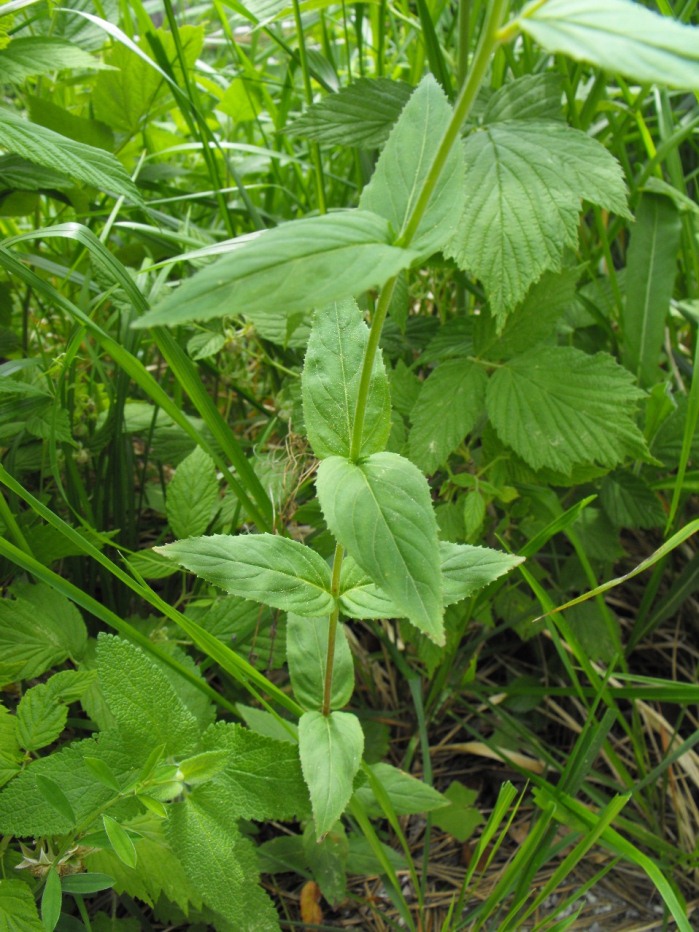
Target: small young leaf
307,651
192,495
402,168
84,884
449,404
288,270
40,718
557,407
120,841
461,818
330,383
331,751
203,767
619,36
380,510
650,277
276,571
103,772
359,115
407,794
51,899
526,181
55,797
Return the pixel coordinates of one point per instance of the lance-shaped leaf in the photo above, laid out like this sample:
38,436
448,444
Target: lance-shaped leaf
288,270
650,277
556,406
330,747
273,570
330,383
403,166
526,182
359,115
44,147
307,654
620,36
465,570
380,510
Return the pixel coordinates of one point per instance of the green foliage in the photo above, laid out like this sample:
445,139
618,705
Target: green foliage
307,653
18,911
192,495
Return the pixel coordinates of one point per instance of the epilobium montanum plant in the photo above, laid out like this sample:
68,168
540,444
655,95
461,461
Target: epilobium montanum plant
164,788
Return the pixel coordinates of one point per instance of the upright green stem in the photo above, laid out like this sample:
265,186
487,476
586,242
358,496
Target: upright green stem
332,629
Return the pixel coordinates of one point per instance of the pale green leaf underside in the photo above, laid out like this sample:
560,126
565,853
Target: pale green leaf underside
465,570
359,115
448,406
559,407
331,749
330,383
273,570
34,55
306,654
85,163
380,510
288,270
619,36
525,183
192,495
402,168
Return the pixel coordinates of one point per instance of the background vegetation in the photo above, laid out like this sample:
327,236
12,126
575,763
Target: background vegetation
541,376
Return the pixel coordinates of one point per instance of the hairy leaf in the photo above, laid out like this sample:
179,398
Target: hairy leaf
18,911
276,571
380,510
531,97
526,181
403,166
448,407
307,652
620,36
330,383
359,115
331,748
288,270
85,163
192,495
558,407
28,56
40,718
141,699
650,277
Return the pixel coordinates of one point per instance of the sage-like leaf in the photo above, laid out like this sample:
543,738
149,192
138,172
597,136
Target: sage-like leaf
307,652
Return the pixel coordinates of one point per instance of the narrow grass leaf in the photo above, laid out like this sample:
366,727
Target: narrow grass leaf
380,510
619,36
276,571
331,748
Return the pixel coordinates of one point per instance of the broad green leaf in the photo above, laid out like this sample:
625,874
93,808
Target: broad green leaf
288,270
307,654
29,56
10,755
203,836
408,795
121,842
276,571
60,120
38,630
85,163
650,277
262,778
531,97
40,718
18,911
380,510
327,861
192,495
526,181
619,36
461,817
531,322
359,115
630,502
448,407
331,748
558,407
141,698
361,858
330,383
403,166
